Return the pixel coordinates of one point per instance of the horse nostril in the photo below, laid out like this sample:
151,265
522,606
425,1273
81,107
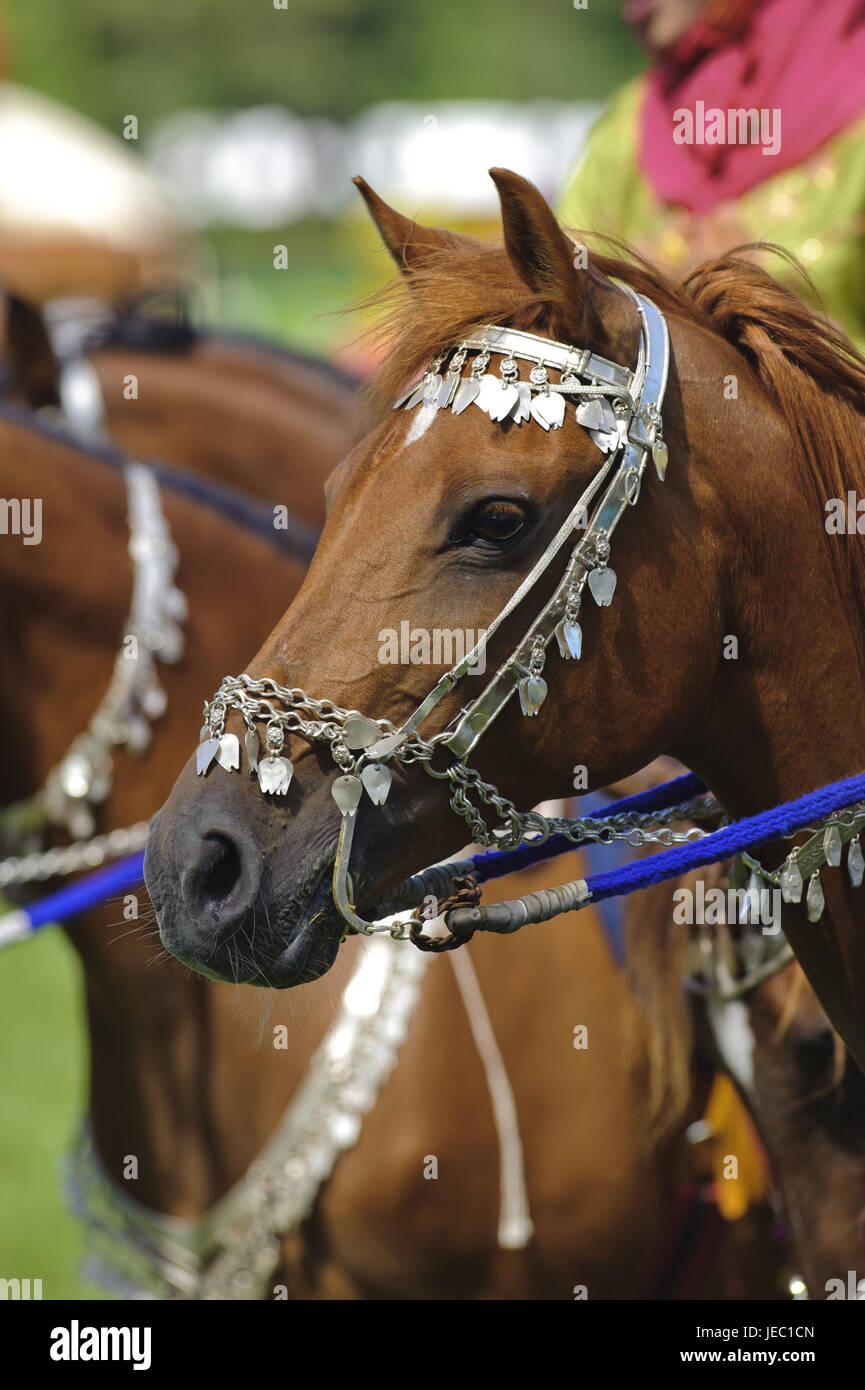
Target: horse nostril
223,869
215,873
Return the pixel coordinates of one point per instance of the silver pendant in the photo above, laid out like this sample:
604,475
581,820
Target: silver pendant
532,692
154,701
815,900
138,734
359,732
591,415
467,391
660,456
274,775
376,779
409,391
549,410
432,388
602,583
250,744
383,746
346,792
606,440
523,408
503,402
570,639
855,862
204,755
448,388
791,883
832,845
415,396
228,752
489,389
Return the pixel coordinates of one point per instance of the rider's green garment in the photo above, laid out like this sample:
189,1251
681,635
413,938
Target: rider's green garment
816,211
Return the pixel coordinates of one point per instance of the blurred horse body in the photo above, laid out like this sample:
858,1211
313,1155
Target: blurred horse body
255,416
180,1076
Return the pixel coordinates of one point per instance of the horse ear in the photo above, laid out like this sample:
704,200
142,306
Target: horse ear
409,243
35,370
541,254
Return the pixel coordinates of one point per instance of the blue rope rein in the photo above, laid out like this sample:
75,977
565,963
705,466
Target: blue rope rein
746,834
72,899
742,835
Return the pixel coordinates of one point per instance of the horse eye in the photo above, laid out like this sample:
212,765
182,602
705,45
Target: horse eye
498,521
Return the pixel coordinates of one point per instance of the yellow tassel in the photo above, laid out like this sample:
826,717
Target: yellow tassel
740,1169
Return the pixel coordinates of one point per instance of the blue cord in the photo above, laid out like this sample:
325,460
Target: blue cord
745,834
87,892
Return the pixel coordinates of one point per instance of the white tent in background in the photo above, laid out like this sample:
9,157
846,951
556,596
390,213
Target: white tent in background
266,166
65,176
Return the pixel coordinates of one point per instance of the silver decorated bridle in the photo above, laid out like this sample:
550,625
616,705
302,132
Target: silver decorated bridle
621,409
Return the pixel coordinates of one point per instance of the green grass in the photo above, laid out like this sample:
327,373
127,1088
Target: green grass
42,1096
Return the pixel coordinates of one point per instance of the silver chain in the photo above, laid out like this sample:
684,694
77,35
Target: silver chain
259,701
71,859
82,780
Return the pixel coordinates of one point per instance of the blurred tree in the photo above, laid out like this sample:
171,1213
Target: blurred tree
110,58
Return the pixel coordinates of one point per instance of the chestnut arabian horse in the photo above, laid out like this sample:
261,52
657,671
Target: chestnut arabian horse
191,1077
441,516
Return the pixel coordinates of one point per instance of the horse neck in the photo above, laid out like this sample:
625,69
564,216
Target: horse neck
272,427
787,717
795,723
70,629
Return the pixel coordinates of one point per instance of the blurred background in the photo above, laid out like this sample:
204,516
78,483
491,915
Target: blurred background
254,119
251,121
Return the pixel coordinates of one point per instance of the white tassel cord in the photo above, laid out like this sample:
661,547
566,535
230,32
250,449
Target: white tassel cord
515,1223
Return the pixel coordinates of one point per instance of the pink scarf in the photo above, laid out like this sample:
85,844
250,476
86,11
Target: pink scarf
802,61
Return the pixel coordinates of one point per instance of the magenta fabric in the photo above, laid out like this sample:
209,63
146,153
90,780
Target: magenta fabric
805,58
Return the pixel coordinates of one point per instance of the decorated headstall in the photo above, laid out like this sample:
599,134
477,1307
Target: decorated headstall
621,410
